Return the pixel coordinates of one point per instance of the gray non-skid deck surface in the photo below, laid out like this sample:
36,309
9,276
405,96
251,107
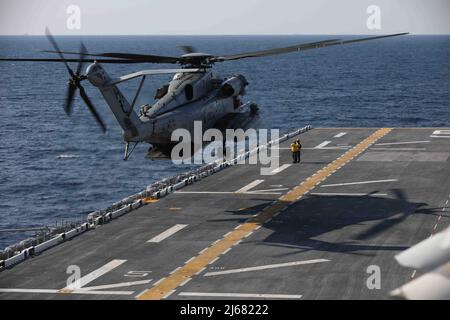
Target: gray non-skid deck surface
335,223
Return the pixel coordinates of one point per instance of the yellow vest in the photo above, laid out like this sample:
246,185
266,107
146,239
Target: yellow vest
294,147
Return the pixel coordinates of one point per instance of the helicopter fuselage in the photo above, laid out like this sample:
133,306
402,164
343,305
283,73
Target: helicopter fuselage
188,97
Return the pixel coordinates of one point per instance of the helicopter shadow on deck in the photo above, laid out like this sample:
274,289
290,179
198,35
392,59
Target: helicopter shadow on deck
245,213
322,223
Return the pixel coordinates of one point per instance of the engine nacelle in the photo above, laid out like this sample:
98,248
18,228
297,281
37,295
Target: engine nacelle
97,75
233,87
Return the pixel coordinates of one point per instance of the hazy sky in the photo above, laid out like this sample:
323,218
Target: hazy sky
104,17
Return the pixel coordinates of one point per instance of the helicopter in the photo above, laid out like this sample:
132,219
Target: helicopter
196,92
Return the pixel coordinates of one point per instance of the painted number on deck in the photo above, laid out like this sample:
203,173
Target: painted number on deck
137,274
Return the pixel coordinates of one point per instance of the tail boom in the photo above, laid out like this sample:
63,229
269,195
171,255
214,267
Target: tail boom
119,105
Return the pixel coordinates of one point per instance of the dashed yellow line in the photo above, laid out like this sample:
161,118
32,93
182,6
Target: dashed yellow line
194,266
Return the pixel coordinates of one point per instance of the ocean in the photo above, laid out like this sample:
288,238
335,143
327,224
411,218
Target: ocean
55,168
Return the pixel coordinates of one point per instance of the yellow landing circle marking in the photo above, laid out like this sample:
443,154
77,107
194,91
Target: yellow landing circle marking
170,283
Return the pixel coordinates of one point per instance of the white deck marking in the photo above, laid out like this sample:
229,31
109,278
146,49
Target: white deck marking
117,285
185,281
78,291
329,148
189,260
241,295
94,275
29,290
363,245
262,193
137,274
341,134
140,293
279,169
399,149
349,194
269,266
406,142
438,132
168,294
81,291
224,192
359,182
323,144
267,190
160,237
159,281
250,186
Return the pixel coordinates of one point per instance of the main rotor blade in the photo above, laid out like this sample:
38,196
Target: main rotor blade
299,47
55,45
80,60
269,52
91,108
372,38
129,56
72,60
70,94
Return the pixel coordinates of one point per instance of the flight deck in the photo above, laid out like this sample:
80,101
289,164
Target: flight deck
314,230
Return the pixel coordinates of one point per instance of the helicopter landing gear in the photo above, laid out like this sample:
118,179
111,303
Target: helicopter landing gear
128,154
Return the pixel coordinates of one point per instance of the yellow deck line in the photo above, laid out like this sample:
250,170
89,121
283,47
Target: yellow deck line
196,265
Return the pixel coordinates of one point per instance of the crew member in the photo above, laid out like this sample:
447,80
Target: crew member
299,145
295,151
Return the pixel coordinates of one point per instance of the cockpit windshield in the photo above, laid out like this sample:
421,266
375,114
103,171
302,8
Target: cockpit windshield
178,76
161,92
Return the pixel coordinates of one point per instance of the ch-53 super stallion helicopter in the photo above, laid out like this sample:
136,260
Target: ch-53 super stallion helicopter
196,92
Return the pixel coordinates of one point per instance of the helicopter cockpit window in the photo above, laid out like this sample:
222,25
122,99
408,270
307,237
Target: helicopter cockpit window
178,76
189,92
161,92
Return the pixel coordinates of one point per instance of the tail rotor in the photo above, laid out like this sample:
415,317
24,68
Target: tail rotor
75,82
